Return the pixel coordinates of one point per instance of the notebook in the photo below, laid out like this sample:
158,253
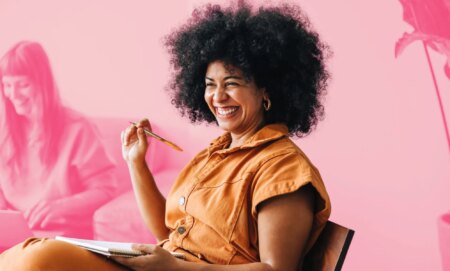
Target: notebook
13,229
109,248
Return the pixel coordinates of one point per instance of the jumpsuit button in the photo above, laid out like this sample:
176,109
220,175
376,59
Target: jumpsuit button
181,230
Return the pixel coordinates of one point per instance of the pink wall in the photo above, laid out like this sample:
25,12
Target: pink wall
382,149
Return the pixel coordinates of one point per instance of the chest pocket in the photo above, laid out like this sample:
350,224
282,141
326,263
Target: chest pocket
219,201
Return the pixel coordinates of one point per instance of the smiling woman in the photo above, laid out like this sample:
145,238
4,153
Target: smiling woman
22,94
53,167
235,101
251,200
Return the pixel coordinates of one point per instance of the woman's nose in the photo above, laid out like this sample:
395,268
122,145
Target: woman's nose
15,92
9,92
219,94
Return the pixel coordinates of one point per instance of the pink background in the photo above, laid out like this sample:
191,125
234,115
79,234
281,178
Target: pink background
381,149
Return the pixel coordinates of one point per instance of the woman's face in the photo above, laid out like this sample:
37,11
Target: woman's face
22,93
235,101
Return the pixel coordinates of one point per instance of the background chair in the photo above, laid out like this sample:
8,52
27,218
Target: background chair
330,249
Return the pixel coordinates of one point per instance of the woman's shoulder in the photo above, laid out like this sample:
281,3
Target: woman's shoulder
284,148
72,116
285,155
76,124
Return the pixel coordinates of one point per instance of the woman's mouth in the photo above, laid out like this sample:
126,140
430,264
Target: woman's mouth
20,103
226,112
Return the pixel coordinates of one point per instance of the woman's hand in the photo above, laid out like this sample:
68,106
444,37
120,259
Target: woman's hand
134,141
46,214
158,259
49,214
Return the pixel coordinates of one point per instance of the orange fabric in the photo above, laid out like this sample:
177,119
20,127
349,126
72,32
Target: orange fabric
212,207
38,254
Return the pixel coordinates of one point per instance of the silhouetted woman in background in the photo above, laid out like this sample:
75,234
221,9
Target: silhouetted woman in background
53,167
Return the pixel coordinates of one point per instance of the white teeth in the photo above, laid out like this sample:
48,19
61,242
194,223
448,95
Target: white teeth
225,112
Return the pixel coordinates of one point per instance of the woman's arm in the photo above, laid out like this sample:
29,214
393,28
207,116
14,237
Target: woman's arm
284,224
63,211
151,203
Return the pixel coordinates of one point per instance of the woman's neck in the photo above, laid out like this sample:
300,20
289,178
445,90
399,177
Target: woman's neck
239,139
34,132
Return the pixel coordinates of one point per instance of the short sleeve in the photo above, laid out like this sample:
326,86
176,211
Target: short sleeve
285,173
92,164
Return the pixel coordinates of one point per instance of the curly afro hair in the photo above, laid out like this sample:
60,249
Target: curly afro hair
274,46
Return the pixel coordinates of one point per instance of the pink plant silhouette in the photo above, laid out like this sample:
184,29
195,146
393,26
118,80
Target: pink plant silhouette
431,22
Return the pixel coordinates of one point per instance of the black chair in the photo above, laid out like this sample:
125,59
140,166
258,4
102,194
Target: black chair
330,249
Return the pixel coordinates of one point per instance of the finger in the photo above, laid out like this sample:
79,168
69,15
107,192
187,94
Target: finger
142,138
38,215
148,249
29,213
47,219
130,134
144,123
37,218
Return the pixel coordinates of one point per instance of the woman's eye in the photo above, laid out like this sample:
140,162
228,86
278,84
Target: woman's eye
231,84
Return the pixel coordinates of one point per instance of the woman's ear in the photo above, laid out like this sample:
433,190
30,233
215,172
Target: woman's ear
267,104
265,94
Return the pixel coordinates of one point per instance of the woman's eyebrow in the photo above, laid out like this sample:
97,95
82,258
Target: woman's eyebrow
233,77
226,78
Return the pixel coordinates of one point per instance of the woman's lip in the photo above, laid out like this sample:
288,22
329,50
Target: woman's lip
20,103
226,116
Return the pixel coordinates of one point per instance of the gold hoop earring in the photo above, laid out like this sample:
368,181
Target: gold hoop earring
267,104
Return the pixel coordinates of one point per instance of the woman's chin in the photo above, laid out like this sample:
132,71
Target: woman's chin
226,126
24,112
21,112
